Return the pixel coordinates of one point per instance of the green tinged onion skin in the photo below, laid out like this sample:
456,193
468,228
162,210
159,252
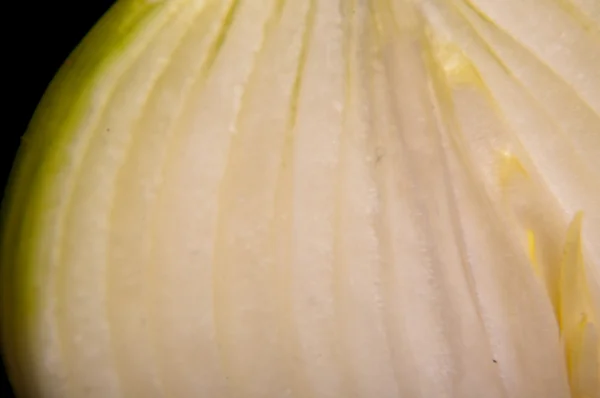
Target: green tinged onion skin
312,199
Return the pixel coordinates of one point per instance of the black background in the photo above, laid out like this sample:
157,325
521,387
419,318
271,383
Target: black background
38,37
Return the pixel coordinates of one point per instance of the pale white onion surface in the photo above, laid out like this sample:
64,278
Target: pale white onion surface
312,199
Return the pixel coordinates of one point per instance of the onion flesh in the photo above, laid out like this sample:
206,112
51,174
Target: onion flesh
312,198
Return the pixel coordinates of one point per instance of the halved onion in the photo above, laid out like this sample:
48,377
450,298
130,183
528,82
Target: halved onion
312,198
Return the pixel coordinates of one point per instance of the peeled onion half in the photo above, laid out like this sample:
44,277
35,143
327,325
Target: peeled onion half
312,199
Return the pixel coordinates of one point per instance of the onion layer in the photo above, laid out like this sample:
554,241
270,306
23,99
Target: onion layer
312,198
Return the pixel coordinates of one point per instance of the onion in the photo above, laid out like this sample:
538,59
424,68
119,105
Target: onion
312,198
